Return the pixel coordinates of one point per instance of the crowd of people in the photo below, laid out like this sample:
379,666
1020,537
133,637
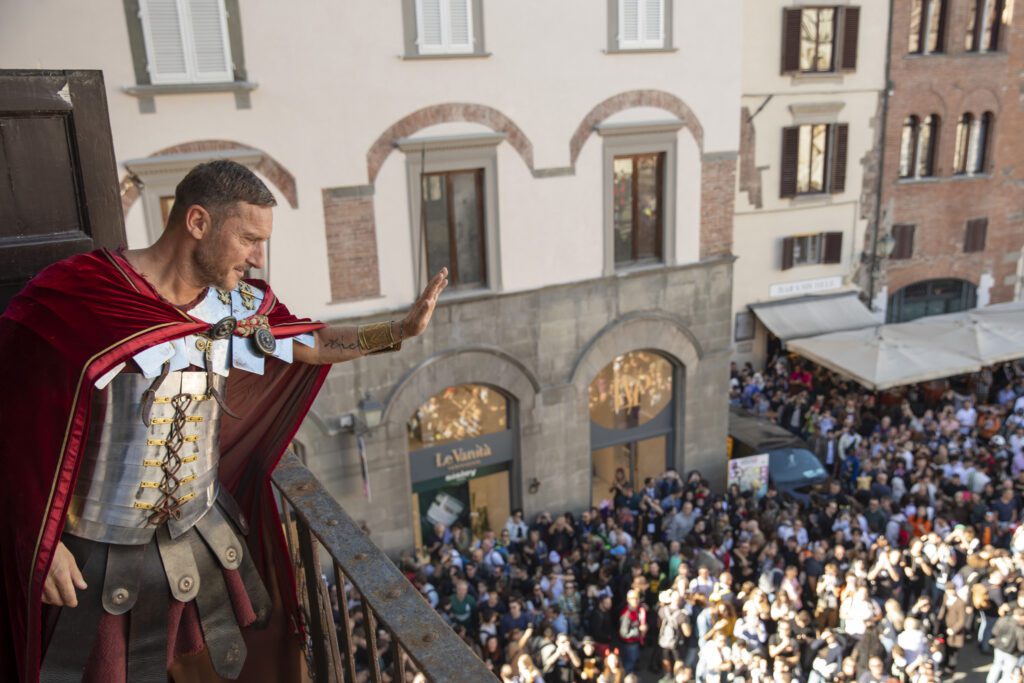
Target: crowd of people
911,551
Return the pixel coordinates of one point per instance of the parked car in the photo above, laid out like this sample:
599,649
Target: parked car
793,469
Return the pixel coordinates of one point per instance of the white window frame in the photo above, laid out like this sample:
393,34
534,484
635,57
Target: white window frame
446,47
641,29
191,73
815,239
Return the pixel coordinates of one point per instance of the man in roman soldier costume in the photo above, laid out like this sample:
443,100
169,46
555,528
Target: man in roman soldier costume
149,395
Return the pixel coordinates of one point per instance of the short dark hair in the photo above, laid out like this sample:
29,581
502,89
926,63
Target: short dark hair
217,186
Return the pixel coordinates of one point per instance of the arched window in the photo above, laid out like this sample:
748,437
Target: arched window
927,26
632,410
963,141
931,297
980,134
927,138
908,147
462,454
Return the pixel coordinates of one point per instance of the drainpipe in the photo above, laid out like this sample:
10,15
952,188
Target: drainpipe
881,165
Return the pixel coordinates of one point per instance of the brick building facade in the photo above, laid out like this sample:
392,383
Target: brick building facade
951,216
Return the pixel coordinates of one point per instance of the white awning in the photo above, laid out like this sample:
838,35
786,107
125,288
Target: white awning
887,356
807,316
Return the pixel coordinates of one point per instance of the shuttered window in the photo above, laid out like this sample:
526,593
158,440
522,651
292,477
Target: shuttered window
186,41
904,238
814,249
820,39
814,159
444,26
974,237
641,24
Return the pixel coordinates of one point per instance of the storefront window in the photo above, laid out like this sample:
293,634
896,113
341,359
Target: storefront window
461,451
457,413
631,422
631,390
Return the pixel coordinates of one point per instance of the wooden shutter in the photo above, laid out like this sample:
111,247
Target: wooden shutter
851,31
904,236
974,239
787,253
629,23
790,155
460,26
791,19
840,145
209,37
654,11
833,251
165,41
428,26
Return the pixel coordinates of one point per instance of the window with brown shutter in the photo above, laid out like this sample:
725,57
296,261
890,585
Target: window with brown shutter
904,237
833,251
787,253
851,31
790,155
974,239
791,40
838,160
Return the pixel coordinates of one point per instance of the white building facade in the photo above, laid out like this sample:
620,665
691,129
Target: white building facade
573,163
813,79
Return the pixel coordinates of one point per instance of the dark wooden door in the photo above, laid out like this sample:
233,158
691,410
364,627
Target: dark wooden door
58,179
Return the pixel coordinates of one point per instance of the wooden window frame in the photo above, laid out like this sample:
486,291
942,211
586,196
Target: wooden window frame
453,253
659,238
836,155
903,235
829,250
911,128
975,235
962,144
845,38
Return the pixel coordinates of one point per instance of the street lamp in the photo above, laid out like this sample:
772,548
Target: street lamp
370,411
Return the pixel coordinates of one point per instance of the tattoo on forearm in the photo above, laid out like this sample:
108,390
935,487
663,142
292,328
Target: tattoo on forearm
337,344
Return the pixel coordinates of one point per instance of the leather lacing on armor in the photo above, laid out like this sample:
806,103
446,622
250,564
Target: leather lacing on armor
170,504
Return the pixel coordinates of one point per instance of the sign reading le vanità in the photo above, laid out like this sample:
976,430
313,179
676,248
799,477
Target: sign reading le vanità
447,459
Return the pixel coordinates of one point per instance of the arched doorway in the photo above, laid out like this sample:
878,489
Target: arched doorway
931,297
462,448
632,419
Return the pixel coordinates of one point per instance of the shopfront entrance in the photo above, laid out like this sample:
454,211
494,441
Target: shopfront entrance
632,404
462,453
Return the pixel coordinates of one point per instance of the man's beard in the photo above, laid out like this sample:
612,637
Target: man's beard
210,270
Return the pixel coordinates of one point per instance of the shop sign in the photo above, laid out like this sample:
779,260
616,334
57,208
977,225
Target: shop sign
461,460
806,286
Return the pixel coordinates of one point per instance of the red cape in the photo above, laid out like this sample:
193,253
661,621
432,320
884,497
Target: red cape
71,324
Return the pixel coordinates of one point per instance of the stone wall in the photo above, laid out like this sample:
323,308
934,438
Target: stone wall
542,348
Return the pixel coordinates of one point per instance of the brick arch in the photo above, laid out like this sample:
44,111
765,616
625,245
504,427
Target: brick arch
449,112
269,167
977,101
629,100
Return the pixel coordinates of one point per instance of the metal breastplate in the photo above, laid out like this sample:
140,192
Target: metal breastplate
134,478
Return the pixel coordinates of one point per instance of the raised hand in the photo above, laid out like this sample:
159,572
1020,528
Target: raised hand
416,321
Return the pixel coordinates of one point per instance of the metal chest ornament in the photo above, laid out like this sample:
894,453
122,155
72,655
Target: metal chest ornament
257,328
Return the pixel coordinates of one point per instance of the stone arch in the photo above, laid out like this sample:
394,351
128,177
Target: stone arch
473,365
628,100
632,332
447,113
269,167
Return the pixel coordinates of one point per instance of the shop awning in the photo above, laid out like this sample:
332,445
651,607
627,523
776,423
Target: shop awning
808,316
887,356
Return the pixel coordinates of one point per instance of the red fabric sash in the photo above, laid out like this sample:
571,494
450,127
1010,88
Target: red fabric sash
72,323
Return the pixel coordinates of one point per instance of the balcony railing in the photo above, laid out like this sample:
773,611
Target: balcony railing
420,640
